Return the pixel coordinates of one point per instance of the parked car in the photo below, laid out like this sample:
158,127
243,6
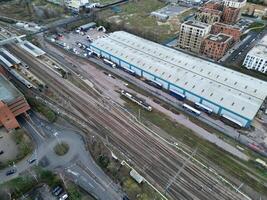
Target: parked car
125,198
11,171
30,161
64,196
55,189
58,192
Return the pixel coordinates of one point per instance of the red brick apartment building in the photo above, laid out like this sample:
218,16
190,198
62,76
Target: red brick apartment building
226,29
230,15
215,46
12,104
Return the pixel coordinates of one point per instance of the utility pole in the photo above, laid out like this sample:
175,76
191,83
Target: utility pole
173,179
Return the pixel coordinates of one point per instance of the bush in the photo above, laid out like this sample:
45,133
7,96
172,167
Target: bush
61,149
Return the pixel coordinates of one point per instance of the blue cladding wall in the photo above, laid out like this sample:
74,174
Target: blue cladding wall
191,96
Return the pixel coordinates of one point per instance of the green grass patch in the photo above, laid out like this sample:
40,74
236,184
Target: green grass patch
21,185
207,152
49,114
135,17
24,145
77,193
257,26
61,149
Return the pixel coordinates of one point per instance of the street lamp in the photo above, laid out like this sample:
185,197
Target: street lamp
56,135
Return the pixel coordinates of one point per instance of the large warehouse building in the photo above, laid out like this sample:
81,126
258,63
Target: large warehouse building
226,92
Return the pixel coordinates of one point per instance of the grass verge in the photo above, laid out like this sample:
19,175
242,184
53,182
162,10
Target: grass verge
207,152
49,114
24,145
120,174
61,149
21,185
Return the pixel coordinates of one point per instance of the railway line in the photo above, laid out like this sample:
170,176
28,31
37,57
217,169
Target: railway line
141,146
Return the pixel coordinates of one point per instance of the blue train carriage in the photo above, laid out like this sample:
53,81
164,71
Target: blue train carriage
177,95
204,108
155,83
191,109
109,63
129,71
230,121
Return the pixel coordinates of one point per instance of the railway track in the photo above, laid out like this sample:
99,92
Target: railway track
141,147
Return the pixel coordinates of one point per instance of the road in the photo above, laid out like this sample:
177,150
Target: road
141,146
240,52
109,89
43,134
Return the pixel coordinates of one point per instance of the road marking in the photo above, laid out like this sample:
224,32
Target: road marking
73,172
42,137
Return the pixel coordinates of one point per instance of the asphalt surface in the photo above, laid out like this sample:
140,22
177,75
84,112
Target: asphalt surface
162,95
238,55
141,146
96,182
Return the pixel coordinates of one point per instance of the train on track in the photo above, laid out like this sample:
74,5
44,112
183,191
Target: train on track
137,100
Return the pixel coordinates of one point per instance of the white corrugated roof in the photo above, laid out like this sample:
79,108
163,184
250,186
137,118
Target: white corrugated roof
10,56
31,48
232,90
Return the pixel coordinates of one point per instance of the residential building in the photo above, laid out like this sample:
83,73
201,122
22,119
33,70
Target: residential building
215,46
256,58
207,15
214,5
230,15
234,3
230,9
192,34
12,104
235,32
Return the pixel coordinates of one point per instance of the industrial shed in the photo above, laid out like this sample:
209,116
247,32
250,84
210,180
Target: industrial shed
225,91
8,59
31,49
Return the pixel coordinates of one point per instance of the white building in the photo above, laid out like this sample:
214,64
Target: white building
235,3
256,58
226,92
192,34
75,4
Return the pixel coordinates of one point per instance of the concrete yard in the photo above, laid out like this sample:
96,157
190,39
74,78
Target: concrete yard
8,145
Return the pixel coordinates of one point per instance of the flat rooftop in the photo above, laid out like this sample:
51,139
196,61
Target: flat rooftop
237,92
197,24
31,48
170,10
263,41
211,11
259,51
7,58
8,92
226,26
219,37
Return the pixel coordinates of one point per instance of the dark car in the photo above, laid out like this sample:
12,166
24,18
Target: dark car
31,160
125,198
11,171
1,152
55,189
58,192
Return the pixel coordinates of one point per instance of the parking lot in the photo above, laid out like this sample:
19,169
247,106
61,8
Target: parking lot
78,41
8,146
